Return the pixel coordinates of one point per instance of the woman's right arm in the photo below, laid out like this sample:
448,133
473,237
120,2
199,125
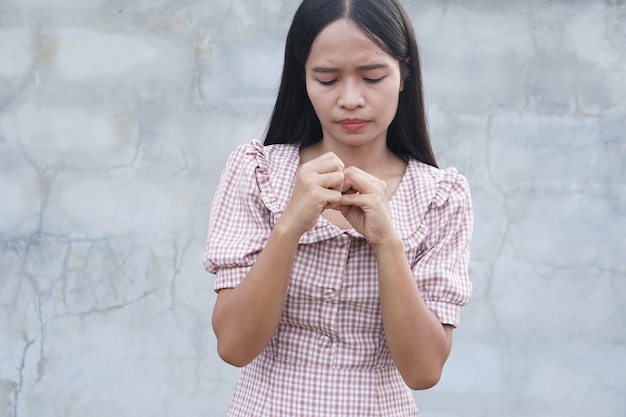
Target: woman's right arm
246,317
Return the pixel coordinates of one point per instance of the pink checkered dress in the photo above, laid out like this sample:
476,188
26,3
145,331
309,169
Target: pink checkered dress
329,356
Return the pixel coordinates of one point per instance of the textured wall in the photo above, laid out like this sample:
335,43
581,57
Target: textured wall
115,121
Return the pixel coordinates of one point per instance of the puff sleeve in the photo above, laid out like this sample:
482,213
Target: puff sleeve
239,224
441,269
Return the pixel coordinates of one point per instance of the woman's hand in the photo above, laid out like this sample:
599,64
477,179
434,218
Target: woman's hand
325,183
318,186
364,203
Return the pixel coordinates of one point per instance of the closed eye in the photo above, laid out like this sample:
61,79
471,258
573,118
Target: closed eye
373,80
328,83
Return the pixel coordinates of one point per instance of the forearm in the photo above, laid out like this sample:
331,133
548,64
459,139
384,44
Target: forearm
418,342
246,317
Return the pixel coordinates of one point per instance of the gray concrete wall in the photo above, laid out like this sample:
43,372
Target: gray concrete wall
115,121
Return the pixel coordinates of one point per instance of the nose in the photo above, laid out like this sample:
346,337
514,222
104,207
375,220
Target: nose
350,96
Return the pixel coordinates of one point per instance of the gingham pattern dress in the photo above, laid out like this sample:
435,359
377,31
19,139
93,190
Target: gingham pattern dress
329,356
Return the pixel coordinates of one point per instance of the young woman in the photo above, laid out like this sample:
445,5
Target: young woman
341,250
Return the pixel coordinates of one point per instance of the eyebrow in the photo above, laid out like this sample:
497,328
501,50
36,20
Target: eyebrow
326,70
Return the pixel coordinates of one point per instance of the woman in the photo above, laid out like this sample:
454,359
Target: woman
340,249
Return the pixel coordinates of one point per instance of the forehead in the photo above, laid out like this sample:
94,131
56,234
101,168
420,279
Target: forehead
343,40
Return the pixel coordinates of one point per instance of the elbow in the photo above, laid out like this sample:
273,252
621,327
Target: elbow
232,357
419,381
229,348
236,362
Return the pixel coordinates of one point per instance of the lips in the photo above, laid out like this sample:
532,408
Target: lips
353,124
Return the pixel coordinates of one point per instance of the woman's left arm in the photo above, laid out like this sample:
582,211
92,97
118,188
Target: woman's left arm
418,342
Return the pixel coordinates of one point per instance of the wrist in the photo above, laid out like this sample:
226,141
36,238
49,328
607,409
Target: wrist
285,231
392,243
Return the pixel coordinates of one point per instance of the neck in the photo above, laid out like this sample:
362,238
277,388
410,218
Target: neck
372,158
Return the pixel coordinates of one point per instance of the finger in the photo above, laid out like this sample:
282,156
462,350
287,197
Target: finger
362,182
331,197
332,180
363,200
353,199
328,162
311,179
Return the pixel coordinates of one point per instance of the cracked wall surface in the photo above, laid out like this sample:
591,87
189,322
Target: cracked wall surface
116,119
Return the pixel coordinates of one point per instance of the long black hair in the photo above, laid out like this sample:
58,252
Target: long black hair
387,24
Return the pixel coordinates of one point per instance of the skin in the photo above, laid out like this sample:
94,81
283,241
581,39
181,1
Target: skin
347,177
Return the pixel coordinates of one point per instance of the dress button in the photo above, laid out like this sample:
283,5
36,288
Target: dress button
324,342
329,294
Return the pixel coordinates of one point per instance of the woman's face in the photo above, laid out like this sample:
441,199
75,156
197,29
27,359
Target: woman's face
353,85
